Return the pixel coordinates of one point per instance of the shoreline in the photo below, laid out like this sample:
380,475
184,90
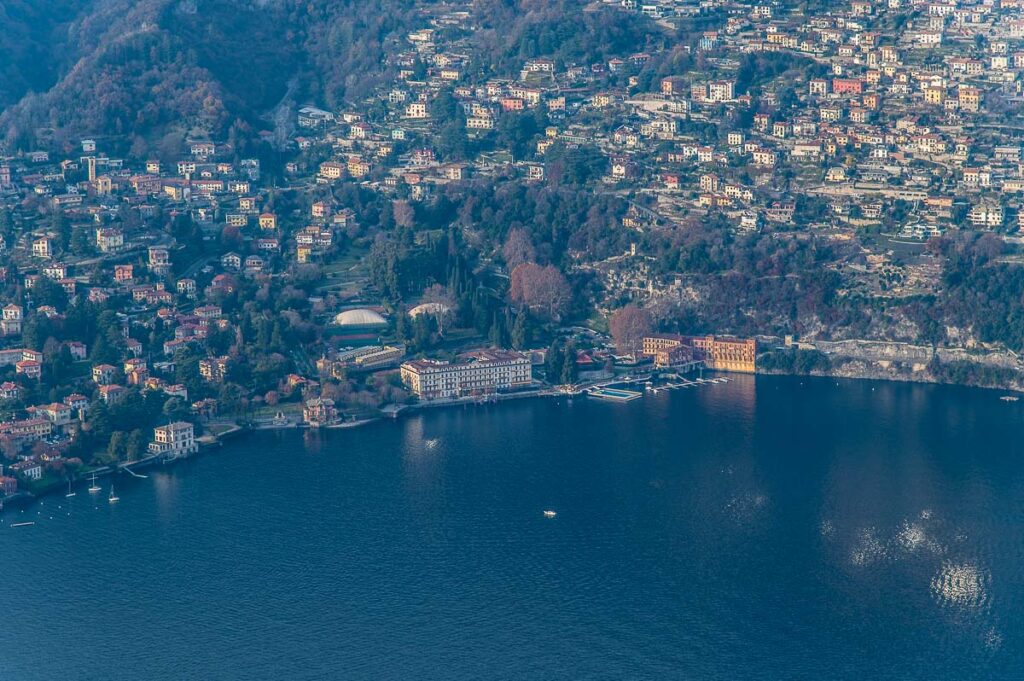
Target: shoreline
209,442
896,377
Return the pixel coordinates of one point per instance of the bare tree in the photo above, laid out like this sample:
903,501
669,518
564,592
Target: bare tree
542,289
518,249
404,213
629,325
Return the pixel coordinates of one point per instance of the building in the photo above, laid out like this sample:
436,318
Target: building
109,240
57,413
720,354
268,221
10,391
103,374
174,440
159,260
42,247
319,411
986,216
331,170
214,369
969,99
112,394
27,431
8,485
27,470
720,91
29,368
10,321
416,110
479,373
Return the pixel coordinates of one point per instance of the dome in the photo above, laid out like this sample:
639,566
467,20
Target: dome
359,317
428,308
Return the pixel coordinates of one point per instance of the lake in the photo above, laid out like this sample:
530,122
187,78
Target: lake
765,528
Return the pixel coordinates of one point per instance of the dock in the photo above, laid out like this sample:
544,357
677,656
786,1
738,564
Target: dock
682,382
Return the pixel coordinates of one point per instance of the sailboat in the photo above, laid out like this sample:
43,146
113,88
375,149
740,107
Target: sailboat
113,498
93,488
71,492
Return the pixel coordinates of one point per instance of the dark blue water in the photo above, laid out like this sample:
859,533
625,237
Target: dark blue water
762,529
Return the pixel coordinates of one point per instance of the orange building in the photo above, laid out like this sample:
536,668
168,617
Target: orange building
719,354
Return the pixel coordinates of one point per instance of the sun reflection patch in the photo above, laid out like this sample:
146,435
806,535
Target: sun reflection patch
961,584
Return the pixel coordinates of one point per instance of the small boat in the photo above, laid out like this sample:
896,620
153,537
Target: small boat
22,524
71,492
549,514
1009,398
113,498
93,488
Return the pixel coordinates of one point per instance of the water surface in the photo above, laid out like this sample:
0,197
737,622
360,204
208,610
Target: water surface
768,528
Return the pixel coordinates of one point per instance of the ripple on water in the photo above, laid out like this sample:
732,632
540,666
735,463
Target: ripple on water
744,506
869,548
962,584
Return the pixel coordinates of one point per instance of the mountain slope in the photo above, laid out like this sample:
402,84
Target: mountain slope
147,69
33,44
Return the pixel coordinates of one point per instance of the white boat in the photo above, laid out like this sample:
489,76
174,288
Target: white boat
113,498
22,524
71,492
1009,398
549,514
93,488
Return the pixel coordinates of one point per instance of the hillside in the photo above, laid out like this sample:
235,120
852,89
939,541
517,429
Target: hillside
153,68
34,48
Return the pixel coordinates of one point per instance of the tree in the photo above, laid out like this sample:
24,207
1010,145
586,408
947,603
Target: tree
518,249
404,213
570,372
176,409
48,292
81,243
543,289
521,331
553,362
135,445
117,446
628,326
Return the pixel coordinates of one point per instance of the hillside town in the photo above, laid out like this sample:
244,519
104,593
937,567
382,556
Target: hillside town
789,188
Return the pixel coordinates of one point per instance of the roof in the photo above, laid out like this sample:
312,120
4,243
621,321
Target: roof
359,317
428,308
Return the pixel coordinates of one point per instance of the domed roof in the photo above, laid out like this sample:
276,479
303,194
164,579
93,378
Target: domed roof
428,308
359,317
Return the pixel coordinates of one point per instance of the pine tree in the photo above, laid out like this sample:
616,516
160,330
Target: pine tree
521,331
117,446
553,362
569,370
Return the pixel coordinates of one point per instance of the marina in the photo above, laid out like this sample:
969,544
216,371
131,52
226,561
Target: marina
611,390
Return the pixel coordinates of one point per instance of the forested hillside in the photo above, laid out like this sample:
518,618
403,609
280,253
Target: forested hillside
34,49
149,68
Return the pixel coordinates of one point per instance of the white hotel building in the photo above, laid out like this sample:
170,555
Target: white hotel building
479,373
